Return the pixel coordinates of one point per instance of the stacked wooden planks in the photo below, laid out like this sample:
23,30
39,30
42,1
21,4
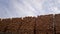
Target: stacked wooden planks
57,23
44,24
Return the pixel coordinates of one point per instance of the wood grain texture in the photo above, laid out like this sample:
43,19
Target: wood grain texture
31,25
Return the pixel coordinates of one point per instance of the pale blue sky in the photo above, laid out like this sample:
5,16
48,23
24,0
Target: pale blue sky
21,8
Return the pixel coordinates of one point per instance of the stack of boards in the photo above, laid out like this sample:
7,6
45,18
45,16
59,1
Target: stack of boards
44,24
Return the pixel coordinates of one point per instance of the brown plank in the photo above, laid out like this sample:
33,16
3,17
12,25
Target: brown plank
44,23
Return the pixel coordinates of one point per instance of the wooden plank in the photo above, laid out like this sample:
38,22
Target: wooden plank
44,23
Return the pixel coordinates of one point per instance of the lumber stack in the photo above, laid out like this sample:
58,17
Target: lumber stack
44,24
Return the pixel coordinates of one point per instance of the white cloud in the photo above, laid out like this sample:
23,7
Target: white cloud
21,8
26,9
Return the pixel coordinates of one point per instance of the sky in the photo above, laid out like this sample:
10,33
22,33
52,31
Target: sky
22,8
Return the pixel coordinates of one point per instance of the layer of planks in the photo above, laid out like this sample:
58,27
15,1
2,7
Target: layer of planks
44,24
